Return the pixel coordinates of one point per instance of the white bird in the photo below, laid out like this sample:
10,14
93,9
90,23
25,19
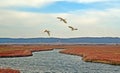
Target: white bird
72,28
47,31
61,19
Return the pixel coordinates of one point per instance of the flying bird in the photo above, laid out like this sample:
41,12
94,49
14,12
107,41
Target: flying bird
47,31
61,19
72,28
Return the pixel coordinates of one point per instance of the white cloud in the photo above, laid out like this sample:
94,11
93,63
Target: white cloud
28,24
32,3
8,17
39,3
89,23
89,1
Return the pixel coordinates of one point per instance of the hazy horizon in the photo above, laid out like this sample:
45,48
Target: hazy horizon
54,37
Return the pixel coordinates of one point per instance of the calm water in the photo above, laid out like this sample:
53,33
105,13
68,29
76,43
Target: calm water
55,62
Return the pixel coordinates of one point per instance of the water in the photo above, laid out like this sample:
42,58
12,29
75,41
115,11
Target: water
55,62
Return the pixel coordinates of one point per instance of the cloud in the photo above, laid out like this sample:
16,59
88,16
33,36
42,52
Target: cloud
88,1
40,3
89,23
27,24
31,3
15,23
8,17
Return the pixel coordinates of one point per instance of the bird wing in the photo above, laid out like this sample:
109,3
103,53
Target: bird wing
64,20
48,33
45,30
70,26
59,18
75,29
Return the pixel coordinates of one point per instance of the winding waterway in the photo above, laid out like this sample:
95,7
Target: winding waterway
55,62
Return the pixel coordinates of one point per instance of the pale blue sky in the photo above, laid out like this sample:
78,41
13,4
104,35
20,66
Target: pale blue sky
29,18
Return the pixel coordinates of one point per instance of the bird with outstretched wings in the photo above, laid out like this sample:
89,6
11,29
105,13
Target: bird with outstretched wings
72,28
62,19
47,31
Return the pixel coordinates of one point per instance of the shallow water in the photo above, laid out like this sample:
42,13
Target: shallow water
55,62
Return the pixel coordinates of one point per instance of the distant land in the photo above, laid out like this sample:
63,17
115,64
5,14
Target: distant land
81,40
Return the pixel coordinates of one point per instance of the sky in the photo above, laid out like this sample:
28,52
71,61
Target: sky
29,18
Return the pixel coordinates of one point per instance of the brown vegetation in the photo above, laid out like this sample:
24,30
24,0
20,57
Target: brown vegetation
8,70
92,53
20,50
109,54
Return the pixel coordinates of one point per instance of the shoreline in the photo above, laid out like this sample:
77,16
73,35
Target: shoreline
101,54
107,54
8,70
85,51
59,43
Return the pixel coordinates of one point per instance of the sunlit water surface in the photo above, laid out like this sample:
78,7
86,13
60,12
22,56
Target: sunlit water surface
55,62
